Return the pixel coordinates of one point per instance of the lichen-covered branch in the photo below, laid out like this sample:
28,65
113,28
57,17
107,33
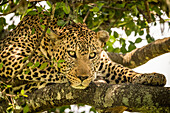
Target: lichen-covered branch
102,96
142,55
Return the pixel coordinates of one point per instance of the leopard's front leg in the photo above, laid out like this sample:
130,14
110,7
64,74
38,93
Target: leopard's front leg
114,73
153,79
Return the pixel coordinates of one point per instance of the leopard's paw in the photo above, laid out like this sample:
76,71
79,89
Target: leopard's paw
153,79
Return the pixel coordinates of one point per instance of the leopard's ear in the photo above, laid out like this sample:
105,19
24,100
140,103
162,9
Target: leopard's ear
53,36
103,36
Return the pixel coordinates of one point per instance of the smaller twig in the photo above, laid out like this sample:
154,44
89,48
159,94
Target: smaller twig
140,11
109,7
116,8
4,3
69,16
53,11
74,9
42,6
147,10
13,9
84,20
10,95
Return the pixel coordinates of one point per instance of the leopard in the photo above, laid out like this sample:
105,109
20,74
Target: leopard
71,54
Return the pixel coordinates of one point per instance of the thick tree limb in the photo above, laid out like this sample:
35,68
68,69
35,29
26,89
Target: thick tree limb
103,97
142,55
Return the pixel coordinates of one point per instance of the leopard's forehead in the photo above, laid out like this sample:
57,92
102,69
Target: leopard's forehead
81,38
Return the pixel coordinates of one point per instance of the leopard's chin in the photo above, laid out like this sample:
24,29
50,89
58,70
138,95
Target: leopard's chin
79,87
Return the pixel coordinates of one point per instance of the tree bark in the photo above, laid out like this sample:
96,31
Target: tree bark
142,55
104,97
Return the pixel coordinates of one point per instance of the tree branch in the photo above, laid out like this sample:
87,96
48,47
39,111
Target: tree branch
19,5
147,10
142,55
103,97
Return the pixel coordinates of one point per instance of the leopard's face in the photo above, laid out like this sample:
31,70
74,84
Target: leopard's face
79,49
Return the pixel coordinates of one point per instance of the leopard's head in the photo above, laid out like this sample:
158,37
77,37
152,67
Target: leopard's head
79,48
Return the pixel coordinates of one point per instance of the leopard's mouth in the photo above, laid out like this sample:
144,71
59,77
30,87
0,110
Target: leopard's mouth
79,86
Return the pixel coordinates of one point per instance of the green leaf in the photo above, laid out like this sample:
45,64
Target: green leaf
41,15
1,27
112,39
8,86
11,27
116,35
135,9
41,20
47,13
48,30
3,21
149,38
93,110
116,50
10,109
131,46
60,22
122,23
1,65
66,9
141,32
32,13
44,65
95,9
122,41
40,9
27,71
49,4
100,5
43,26
60,61
110,49
36,64
138,40
30,64
33,31
58,65
123,49
26,58
128,32
22,92
26,109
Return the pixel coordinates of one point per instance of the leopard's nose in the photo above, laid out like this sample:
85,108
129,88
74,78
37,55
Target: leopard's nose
82,78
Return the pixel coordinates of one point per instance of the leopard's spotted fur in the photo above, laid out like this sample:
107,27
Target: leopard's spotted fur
67,54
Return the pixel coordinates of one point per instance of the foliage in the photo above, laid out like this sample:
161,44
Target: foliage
131,16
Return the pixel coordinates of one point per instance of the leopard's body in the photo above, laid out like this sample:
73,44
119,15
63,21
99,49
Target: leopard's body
67,54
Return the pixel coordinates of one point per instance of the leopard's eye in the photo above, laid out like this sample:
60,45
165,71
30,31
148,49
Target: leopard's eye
72,53
92,55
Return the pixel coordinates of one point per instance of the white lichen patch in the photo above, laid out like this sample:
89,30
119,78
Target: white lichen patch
132,63
62,90
148,99
108,98
58,96
97,96
138,100
69,96
125,101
